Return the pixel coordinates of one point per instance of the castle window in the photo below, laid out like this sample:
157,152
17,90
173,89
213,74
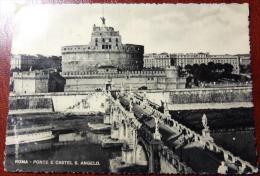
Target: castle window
96,45
96,40
103,40
109,46
109,39
103,46
116,45
116,40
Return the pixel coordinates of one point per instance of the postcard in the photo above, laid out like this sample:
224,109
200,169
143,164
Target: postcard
131,88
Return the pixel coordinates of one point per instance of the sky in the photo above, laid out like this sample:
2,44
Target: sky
181,28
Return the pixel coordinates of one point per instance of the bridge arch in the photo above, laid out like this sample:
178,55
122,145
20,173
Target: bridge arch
152,153
143,154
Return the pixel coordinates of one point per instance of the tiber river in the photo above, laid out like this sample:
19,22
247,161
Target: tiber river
87,156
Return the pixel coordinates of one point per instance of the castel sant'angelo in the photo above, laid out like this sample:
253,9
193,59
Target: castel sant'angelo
107,61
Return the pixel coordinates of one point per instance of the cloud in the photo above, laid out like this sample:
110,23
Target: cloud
214,28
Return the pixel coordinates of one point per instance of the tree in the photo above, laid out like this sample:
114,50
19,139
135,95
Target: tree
228,68
188,82
180,71
211,66
195,70
188,68
219,67
205,73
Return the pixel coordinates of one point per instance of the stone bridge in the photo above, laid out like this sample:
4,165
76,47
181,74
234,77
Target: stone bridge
146,142
151,137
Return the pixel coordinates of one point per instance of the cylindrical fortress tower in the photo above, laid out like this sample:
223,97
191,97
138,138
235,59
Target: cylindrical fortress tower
105,48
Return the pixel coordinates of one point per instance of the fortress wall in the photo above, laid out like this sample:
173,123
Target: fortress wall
84,81
92,84
31,85
81,61
41,85
93,103
58,103
27,85
211,96
206,97
30,103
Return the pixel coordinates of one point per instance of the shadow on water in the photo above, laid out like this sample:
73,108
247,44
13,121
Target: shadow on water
84,156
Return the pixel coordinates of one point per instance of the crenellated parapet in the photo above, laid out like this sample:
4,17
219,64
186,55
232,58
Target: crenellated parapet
127,48
117,74
31,75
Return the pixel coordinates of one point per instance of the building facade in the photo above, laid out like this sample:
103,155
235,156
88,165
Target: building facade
105,48
153,60
164,60
229,59
24,62
245,59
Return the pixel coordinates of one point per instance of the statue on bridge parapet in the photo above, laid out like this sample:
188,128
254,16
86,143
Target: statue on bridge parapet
166,109
205,131
122,90
156,135
205,121
145,100
131,105
130,91
222,169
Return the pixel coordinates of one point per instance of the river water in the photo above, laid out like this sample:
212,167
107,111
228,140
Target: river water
84,156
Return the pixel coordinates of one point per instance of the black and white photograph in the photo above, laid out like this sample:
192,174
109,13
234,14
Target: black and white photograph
131,88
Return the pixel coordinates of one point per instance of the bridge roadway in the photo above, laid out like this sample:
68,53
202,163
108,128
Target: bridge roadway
185,150
205,161
200,154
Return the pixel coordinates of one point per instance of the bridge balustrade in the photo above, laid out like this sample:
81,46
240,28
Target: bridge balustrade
169,155
228,156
